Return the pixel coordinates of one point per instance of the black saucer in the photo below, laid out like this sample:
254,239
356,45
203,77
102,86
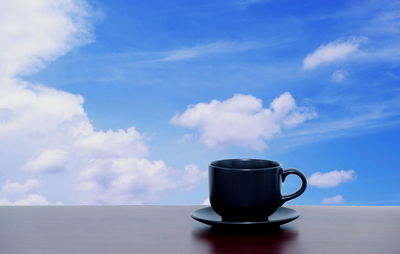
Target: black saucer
281,216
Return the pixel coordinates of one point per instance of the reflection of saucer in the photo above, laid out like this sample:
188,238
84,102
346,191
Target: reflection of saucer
281,216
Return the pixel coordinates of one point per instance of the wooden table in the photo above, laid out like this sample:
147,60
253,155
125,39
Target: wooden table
169,229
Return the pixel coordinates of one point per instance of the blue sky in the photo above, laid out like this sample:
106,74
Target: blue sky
126,102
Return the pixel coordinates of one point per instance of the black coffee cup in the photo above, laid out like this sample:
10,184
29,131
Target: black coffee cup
248,189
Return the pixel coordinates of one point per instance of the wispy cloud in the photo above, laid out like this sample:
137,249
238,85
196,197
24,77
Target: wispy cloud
333,200
332,51
338,76
376,20
243,4
373,117
207,49
385,19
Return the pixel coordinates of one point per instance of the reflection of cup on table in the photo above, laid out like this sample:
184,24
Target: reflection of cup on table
249,189
275,241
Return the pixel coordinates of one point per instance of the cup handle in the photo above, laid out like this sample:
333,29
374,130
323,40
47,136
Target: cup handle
300,191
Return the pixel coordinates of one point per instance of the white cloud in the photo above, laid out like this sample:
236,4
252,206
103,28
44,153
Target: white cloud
50,160
123,181
333,200
242,121
12,188
206,49
338,76
48,29
31,199
118,143
58,137
37,111
45,130
114,169
131,180
193,175
16,193
331,52
332,178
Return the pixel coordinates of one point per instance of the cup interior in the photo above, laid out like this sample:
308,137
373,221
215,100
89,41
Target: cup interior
244,164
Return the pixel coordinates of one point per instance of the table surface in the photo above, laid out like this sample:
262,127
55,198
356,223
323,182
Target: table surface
169,229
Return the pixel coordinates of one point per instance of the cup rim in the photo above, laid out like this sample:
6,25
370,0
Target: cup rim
277,164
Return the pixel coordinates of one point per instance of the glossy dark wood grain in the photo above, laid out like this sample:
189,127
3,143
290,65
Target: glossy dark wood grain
169,229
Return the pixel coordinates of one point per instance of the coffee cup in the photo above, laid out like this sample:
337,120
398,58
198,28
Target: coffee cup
248,190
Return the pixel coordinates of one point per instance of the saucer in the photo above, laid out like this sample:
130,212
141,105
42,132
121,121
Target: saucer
281,216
